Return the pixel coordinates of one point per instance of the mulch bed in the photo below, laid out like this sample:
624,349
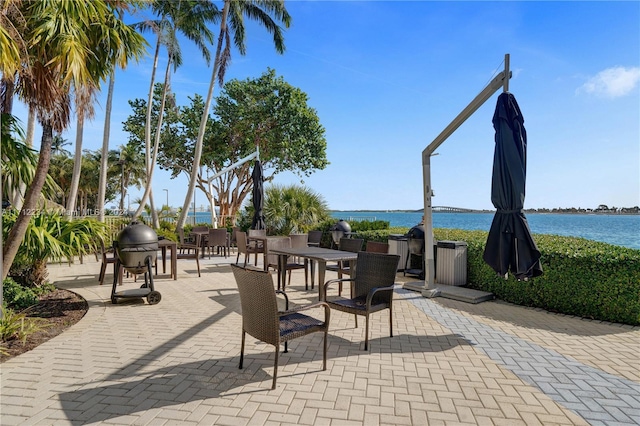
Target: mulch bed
58,311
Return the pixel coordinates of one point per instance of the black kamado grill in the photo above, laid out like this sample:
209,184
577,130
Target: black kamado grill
136,251
415,242
340,229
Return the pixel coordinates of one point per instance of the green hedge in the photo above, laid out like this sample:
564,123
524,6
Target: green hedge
581,277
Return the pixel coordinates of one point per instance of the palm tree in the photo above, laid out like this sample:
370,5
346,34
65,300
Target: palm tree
293,209
85,99
102,187
61,169
19,162
57,53
233,12
57,145
189,17
131,162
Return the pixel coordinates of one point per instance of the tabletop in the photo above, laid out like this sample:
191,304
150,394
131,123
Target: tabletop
317,253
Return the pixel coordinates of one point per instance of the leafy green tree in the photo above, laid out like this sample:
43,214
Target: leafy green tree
266,113
266,13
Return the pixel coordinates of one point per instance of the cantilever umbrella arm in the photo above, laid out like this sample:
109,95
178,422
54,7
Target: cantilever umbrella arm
495,84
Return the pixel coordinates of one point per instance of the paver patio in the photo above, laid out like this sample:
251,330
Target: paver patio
449,362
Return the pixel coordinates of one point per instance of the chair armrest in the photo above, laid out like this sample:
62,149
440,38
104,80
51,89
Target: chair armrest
286,299
341,280
376,290
327,309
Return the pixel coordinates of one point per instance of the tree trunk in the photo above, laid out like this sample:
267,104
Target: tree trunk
203,122
104,159
77,166
151,162
17,232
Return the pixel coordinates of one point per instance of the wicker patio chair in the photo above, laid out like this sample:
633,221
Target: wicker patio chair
246,249
315,237
271,260
109,257
187,250
377,247
262,320
299,241
371,290
218,239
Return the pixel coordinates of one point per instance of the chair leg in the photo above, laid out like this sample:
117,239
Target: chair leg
238,257
366,333
103,270
198,265
324,352
275,367
242,350
390,321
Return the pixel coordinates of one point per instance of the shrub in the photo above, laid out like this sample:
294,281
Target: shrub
16,325
368,225
581,277
16,296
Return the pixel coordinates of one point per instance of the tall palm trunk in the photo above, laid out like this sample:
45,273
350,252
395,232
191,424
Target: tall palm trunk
203,122
104,159
77,168
17,232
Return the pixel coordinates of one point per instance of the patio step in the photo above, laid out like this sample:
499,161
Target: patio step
463,294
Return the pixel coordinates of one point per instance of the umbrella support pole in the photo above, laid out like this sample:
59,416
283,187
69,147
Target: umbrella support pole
500,81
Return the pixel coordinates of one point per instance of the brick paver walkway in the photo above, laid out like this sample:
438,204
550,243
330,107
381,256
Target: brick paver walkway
176,363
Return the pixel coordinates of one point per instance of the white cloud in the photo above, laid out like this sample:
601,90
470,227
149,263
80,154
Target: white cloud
612,82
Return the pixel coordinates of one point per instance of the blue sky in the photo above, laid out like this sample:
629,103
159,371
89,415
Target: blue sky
386,77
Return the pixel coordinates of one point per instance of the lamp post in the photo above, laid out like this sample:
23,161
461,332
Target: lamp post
167,191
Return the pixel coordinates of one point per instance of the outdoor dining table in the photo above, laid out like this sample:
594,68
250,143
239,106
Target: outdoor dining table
173,246
317,254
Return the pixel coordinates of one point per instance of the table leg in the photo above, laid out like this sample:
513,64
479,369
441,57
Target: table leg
164,259
313,272
282,270
322,268
174,261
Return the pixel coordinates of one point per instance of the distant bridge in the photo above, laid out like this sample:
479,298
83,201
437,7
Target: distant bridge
446,209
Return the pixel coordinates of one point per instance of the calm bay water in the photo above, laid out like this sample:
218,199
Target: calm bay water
622,230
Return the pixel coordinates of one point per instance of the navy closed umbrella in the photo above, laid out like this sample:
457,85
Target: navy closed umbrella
258,197
510,246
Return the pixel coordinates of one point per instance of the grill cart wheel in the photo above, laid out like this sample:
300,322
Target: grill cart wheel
154,297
